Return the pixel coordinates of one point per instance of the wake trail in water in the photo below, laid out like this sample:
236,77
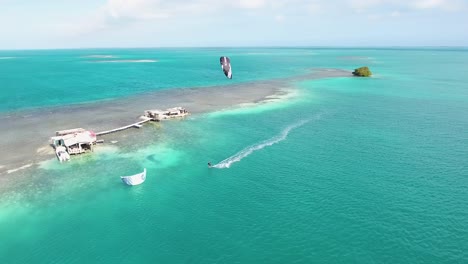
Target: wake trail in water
266,143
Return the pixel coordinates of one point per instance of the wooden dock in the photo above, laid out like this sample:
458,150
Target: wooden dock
136,125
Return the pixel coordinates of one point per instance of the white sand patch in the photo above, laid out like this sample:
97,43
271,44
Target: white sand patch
157,156
45,150
124,61
49,164
105,150
282,99
20,168
259,53
101,56
102,152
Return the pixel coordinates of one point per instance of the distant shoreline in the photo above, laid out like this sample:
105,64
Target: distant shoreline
442,47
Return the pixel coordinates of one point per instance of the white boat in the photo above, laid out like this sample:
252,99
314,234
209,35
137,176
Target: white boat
62,154
134,179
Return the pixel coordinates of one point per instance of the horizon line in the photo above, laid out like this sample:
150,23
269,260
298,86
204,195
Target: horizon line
237,47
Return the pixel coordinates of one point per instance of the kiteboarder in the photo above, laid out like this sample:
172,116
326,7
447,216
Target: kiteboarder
209,165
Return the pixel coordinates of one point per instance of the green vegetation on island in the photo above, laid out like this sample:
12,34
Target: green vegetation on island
362,72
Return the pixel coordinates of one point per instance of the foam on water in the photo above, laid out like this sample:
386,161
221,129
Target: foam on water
152,156
258,53
102,152
20,168
124,61
277,101
266,143
101,56
156,156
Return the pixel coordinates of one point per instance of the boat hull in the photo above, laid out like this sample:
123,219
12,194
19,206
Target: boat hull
62,154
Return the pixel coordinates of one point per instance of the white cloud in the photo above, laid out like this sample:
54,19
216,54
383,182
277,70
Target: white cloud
279,18
374,17
448,5
314,7
135,9
445,5
395,14
119,13
426,4
278,4
361,5
116,14
251,3
160,9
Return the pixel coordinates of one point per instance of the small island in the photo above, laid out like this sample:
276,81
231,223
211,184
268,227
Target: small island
362,72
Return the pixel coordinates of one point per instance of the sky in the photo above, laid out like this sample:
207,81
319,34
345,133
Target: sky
50,24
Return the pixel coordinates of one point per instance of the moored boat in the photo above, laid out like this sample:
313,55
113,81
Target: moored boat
62,154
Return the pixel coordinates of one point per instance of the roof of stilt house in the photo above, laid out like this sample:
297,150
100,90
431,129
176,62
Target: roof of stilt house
84,137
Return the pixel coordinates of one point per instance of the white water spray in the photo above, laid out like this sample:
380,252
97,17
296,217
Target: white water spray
250,149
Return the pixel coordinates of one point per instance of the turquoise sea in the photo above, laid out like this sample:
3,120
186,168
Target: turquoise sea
350,171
